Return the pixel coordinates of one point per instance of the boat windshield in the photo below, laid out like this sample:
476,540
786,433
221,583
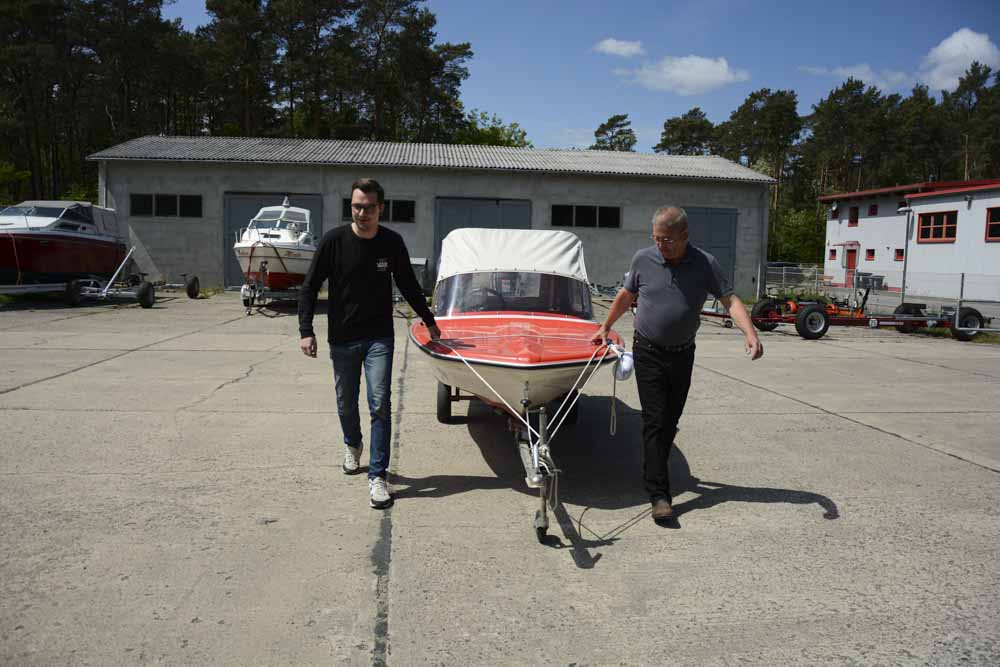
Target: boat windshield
37,211
512,291
276,220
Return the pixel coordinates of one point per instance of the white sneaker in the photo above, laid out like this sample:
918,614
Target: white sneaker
378,491
352,459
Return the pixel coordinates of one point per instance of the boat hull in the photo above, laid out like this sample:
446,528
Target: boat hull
287,266
48,257
538,357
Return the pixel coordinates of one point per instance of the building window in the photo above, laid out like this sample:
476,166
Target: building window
610,217
873,210
395,210
993,224
937,227
899,254
190,206
140,205
165,205
852,219
833,253
869,254
605,217
562,216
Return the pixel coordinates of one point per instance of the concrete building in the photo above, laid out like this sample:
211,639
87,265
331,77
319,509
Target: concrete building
184,199
927,234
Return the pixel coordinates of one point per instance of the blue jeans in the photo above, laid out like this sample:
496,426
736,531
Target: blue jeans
375,355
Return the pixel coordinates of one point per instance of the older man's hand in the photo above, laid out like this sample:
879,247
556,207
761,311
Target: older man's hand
754,347
600,336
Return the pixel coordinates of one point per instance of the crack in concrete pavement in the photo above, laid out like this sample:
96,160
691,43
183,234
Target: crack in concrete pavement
112,357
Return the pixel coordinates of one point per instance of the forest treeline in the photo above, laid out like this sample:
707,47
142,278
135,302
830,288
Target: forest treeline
77,76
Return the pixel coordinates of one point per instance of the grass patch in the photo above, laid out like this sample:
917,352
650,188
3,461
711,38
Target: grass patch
209,292
942,332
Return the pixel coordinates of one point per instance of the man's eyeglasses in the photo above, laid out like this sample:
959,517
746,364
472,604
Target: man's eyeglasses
663,240
362,208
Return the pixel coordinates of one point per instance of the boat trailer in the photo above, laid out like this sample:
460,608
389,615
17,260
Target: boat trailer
256,293
533,444
132,286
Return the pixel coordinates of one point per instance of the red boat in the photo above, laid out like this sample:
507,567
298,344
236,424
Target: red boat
55,242
515,316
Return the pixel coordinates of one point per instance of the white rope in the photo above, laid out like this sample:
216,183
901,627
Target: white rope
490,387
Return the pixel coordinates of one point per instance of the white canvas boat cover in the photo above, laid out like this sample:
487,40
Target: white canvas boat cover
533,250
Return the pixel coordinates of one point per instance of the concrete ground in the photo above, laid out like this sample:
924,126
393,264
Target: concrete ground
172,494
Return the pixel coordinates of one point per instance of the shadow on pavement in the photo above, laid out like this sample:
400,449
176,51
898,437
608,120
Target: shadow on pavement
598,471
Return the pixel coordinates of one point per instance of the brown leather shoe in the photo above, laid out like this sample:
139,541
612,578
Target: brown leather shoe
662,510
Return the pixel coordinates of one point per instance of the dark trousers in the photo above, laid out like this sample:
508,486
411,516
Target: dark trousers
663,377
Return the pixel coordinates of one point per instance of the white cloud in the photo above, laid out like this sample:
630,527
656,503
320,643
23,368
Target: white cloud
689,75
617,47
946,63
887,79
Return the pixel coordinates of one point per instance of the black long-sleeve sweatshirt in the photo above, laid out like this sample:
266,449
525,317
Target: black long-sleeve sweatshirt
361,272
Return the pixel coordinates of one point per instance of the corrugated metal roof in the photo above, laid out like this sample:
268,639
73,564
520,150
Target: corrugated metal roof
429,156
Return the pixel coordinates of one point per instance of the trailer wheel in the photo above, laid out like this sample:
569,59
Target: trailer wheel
907,309
72,296
146,295
444,403
812,322
192,286
765,309
968,318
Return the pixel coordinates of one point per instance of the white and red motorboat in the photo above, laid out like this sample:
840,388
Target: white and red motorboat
277,247
514,309
52,243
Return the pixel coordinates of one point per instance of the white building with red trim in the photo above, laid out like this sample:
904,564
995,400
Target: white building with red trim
928,234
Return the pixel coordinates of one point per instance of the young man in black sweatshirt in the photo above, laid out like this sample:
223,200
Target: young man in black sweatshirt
361,260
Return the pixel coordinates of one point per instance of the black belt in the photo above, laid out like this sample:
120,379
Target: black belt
683,347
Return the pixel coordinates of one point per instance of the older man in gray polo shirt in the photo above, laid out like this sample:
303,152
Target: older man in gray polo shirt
671,280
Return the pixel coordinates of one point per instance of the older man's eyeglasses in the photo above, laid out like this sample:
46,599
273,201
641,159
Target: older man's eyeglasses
664,240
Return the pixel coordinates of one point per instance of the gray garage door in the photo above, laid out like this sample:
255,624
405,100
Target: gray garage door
714,230
238,209
455,213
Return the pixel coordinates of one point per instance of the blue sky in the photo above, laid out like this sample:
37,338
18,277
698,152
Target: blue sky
560,68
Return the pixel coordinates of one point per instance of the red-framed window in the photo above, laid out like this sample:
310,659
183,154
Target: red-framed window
873,209
869,254
992,225
939,227
833,253
852,220
899,254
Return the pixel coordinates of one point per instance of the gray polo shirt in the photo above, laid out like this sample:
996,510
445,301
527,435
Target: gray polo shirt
671,296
